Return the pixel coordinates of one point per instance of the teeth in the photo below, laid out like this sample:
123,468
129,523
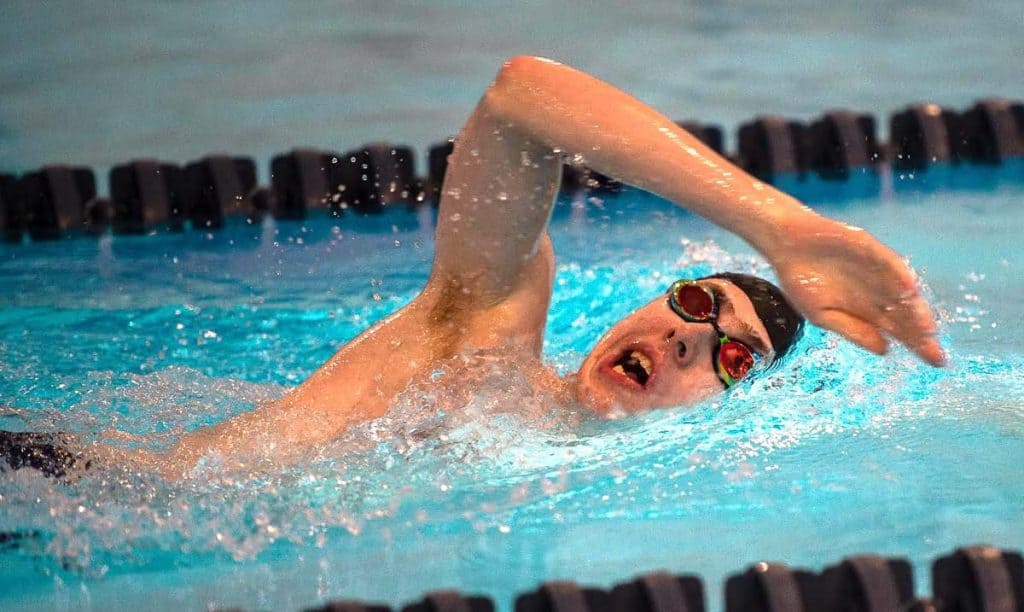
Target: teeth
643,360
634,365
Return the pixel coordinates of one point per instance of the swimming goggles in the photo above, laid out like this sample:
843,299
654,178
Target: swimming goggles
695,303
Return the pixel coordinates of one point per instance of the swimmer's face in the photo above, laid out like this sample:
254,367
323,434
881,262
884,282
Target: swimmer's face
654,358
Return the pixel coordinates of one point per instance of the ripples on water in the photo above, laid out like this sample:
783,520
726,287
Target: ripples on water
832,428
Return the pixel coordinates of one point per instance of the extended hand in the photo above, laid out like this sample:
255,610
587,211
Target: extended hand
843,279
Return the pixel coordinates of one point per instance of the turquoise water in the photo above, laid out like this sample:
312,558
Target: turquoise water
839,452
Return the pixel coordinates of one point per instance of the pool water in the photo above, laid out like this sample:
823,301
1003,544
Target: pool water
838,452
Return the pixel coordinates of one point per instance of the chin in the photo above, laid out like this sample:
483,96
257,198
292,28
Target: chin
602,396
623,377
594,400
602,389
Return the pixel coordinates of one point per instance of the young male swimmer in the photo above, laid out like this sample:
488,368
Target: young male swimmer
491,280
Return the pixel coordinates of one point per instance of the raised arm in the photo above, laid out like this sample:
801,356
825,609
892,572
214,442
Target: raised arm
492,253
503,175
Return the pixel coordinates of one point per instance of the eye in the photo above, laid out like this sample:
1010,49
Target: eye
736,359
695,301
681,351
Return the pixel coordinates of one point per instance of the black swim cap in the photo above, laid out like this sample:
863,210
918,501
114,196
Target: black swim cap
783,322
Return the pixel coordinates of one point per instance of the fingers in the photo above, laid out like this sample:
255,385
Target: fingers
921,342
855,330
904,314
931,351
910,321
912,326
865,293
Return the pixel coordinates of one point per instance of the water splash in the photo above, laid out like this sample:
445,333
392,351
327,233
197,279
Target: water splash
831,432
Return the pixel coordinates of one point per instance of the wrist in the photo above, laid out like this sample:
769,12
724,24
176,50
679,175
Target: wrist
777,223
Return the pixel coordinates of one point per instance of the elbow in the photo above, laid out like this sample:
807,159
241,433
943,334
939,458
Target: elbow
516,77
522,69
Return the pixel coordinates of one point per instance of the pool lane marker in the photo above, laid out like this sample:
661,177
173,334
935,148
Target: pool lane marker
153,196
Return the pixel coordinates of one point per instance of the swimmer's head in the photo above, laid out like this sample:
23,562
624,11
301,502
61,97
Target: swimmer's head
656,357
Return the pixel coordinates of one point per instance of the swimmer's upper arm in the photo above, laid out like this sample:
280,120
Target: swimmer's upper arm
495,204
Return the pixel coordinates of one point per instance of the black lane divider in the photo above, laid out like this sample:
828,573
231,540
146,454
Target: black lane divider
921,135
53,200
991,131
437,165
766,587
772,147
980,578
300,181
12,216
970,579
872,581
150,195
146,195
450,601
841,142
218,186
366,180
562,596
377,176
659,592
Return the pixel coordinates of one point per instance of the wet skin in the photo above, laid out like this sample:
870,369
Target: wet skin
491,280
677,355
676,358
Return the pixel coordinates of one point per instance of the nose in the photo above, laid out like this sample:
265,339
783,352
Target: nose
677,349
689,343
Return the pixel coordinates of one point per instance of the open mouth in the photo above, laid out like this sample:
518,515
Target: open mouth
634,365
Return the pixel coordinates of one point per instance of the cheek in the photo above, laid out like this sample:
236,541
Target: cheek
586,386
694,387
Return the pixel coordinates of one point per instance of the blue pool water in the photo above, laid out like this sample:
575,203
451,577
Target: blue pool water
839,452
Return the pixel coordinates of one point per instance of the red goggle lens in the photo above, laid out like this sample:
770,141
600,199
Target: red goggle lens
736,359
695,302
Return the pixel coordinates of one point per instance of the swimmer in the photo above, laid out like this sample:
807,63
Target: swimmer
491,281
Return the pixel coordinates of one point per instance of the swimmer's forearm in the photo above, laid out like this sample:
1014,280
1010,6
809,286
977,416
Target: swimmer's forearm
618,135
357,384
